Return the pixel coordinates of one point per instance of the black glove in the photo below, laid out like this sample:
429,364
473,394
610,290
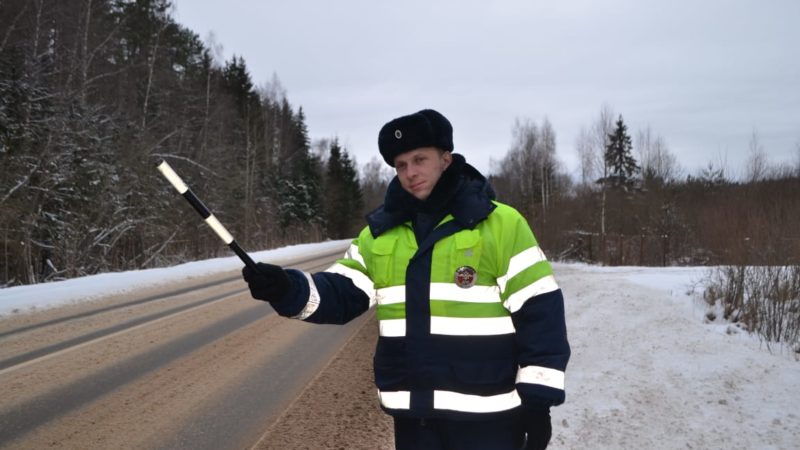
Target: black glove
538,427
270,282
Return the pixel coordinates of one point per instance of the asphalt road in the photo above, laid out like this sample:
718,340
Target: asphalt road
199,365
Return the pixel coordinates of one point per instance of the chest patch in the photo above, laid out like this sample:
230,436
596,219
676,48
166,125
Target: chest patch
466,277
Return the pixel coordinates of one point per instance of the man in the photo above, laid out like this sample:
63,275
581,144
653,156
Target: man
473,343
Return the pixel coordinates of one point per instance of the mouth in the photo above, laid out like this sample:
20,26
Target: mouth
418,186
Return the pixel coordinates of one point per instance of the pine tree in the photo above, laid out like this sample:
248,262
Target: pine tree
619,157
299,186
343,197
240,85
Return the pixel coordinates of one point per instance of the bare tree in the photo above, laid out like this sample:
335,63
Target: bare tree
321,148
37,28
586,160
529,175
656,161
591,146
151,65
212,63
375,177
273,89
273,94
547,154
522,164
601,132
756,166
601,129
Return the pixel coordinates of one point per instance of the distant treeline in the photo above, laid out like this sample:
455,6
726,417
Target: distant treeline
93,93
634,205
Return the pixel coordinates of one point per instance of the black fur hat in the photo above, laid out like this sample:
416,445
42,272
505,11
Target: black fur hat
426,128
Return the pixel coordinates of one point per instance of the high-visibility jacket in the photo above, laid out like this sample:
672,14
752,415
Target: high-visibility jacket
471,319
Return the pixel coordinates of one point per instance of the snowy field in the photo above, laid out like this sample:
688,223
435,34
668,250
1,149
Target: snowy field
646,370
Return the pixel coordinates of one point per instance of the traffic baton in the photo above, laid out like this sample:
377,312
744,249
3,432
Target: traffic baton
210,219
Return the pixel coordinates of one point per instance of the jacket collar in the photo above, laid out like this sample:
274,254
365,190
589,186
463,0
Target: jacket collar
461,191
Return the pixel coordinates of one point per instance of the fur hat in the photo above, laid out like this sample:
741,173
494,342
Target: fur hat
426,128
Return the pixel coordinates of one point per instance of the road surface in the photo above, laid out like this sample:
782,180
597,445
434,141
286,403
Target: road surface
197,365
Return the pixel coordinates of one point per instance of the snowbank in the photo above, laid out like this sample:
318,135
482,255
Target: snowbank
46,295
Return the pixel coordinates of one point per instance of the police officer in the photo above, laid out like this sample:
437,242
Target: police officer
473,343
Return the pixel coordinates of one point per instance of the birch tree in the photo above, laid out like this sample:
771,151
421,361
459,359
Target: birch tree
658,164
756,166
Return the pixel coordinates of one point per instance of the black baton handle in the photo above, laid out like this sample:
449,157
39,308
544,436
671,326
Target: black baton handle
246,259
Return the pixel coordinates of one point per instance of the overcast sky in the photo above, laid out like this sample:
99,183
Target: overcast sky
703,74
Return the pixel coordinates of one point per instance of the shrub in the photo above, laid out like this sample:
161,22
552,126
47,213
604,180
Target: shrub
762,299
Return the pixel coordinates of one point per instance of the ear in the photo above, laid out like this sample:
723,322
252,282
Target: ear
448,158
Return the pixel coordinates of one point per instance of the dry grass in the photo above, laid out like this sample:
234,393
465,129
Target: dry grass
762,299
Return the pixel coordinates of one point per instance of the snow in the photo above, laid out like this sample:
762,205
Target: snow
48,295
646,371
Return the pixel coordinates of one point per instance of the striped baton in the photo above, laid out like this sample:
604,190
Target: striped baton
210,219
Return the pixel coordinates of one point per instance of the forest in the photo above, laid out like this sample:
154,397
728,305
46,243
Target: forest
94,93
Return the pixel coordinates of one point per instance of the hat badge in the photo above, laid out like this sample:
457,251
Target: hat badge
466,277
398,134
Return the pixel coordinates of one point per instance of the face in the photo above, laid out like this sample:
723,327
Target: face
420,169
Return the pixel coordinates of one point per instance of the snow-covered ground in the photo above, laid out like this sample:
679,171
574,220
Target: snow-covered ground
646,370
46,295
647,373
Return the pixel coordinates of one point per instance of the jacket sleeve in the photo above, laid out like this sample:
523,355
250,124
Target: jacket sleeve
533,298
336,296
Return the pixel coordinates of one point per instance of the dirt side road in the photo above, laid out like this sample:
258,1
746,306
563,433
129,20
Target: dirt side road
339,408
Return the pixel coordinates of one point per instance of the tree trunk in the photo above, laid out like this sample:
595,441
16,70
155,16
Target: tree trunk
151,68
84,73
37,29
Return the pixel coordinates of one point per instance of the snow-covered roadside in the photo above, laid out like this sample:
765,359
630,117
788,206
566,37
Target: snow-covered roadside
646,372
47,295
